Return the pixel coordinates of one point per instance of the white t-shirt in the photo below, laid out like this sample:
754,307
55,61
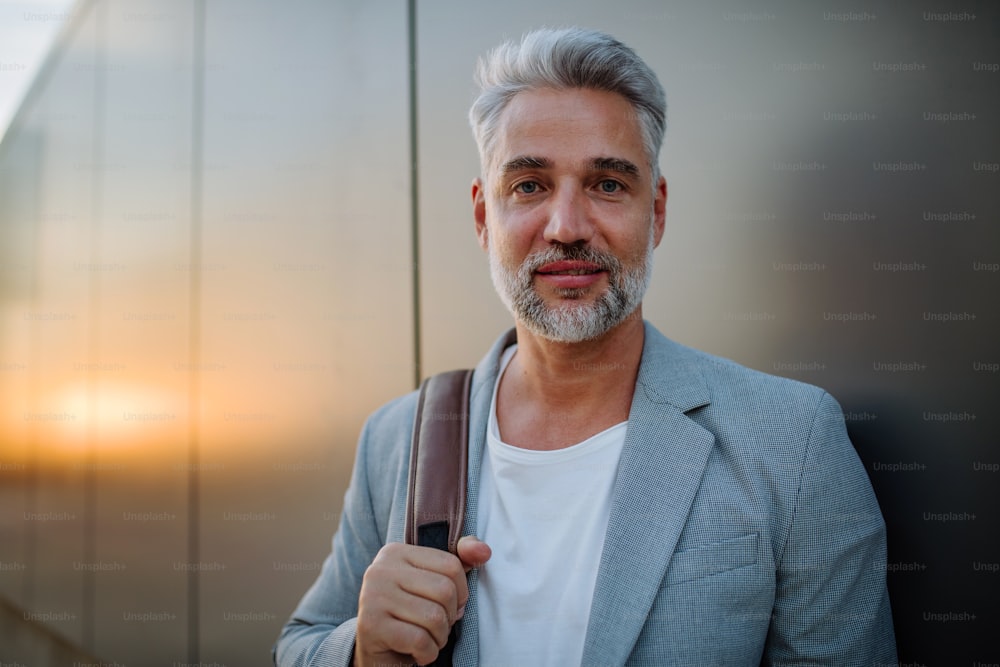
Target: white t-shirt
544,515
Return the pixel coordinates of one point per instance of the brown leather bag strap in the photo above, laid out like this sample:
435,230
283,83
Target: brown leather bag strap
435,502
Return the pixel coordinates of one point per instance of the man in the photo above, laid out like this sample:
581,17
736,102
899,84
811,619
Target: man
630,500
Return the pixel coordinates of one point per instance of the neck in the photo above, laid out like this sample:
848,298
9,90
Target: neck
557,394
615,355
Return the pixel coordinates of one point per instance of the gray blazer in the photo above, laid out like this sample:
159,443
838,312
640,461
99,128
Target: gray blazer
743,527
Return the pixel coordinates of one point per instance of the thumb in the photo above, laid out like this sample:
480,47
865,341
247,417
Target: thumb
472,552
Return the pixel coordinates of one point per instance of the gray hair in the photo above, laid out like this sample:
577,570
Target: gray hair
562,59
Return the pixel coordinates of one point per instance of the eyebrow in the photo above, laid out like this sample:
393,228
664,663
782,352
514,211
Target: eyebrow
614,164
524,162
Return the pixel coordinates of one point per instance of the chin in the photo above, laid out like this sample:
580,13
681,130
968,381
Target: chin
571,293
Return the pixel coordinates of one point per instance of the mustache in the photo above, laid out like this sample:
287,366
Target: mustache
570,252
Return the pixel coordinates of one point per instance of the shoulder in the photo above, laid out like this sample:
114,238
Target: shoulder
732,383
688,378
384,445
391,423
396,411
751,414
377,493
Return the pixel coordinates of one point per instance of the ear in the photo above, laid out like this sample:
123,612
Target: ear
659,210
479,212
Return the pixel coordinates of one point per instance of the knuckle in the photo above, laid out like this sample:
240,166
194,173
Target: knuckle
373,574
437,617
420,645
390,550
443,590
454,568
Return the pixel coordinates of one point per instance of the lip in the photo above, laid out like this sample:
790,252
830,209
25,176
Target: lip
570,274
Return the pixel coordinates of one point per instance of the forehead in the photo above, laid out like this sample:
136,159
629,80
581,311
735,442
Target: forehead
568,127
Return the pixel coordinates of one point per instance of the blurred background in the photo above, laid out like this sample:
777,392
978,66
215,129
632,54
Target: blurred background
231,229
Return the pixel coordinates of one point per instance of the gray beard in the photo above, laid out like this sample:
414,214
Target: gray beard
572,322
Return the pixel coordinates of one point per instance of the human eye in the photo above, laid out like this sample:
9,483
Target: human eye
527,187
609,186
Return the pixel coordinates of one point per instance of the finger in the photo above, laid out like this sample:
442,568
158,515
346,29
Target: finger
391,618
440,589
432,560
472,552
429,573
406,640
425,614
444,563
397,554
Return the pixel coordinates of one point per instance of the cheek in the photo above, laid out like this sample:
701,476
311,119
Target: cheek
500,245
641,227
512,237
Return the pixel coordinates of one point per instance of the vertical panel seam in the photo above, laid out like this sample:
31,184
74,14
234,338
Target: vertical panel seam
411,25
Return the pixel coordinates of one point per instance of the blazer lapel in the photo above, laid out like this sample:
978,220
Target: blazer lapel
661,467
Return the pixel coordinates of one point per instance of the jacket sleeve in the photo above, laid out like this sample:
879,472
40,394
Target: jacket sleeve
832,605
321,631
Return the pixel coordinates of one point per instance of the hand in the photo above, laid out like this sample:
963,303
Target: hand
410,597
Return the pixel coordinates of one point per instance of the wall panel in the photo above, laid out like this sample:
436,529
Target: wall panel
204,294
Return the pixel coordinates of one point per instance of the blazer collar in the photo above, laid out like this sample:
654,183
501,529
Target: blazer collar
662,462
669,372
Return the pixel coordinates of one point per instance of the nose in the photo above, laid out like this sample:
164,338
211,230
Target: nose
568,217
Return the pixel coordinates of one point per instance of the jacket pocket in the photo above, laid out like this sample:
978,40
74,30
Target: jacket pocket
706,560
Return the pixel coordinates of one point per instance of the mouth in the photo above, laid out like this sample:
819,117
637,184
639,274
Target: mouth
570,274
569,268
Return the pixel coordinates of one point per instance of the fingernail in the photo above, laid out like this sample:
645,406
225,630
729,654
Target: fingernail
461,613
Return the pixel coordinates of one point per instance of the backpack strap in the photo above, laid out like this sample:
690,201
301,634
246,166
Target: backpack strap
435,502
